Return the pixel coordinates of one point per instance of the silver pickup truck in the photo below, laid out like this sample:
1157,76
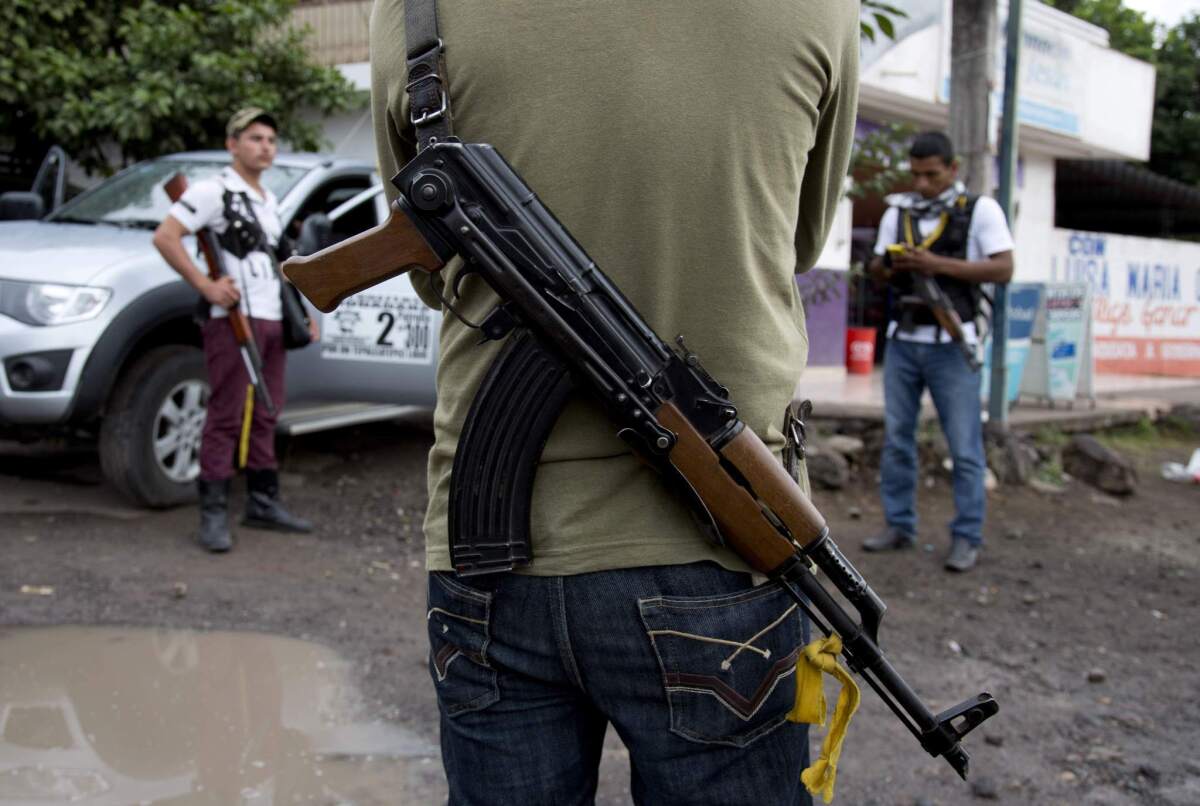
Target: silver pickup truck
97,335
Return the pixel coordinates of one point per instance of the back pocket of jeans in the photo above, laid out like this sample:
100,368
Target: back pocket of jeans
728,662
458,619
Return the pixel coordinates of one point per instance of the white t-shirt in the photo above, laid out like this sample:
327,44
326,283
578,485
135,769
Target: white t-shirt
203,206
987,235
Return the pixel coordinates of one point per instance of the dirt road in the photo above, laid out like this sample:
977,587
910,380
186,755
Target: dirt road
1081,618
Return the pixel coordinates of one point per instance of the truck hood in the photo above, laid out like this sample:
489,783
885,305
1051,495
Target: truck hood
45,251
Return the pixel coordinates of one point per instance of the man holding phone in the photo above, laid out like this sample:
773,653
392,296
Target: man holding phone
961,241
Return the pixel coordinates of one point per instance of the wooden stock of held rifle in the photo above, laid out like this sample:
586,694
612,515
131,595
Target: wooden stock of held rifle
242,333
947,318
568,327
933,297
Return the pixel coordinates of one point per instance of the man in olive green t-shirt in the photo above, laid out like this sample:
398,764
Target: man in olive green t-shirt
696,149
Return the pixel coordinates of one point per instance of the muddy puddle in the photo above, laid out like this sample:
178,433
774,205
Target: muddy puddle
114,717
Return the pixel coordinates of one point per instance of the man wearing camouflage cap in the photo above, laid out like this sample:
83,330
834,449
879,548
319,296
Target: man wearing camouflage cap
252,284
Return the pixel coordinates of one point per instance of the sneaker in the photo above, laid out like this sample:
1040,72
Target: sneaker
889,538
962,556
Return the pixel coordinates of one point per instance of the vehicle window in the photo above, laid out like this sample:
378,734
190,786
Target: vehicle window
135,197
329,196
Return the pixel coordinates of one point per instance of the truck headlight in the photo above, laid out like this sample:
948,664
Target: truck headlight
51,303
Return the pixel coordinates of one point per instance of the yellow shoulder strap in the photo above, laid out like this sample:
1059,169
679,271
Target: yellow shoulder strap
929,240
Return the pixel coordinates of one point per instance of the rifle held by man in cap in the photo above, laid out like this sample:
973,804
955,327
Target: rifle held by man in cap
242,333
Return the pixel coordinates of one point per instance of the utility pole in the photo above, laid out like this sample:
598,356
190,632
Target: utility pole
998,391
972,59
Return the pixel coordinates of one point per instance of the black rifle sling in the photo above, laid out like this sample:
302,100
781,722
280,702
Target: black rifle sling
428,84
491,483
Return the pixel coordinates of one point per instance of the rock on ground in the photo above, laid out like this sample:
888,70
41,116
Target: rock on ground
847,446
827,469
1087,459
1012,457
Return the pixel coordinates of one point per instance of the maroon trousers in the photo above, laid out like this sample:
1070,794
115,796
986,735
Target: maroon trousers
228,381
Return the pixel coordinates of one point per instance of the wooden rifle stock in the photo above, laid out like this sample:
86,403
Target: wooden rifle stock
242,333
394,247
943,311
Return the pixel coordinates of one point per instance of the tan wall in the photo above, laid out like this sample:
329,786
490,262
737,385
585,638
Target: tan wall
339,29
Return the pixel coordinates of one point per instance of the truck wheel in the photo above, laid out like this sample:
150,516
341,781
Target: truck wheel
150,434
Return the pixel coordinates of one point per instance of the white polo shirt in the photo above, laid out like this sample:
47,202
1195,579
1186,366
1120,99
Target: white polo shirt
203,206
988,235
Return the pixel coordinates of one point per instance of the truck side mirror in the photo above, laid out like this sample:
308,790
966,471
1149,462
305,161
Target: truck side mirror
21,205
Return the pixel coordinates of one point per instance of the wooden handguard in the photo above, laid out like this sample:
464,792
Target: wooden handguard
942,309
738,515
361,261
774,487
949,322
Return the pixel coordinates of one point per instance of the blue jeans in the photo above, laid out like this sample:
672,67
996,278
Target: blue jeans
908,368
692,665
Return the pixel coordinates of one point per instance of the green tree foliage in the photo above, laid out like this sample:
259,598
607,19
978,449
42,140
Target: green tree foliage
1175,144
881,15
879,162
138,78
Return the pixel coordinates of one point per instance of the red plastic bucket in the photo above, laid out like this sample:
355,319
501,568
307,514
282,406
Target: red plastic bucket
860,350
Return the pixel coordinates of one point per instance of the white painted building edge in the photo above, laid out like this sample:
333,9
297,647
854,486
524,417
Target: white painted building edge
1034,220
351,133
1079,98
836,254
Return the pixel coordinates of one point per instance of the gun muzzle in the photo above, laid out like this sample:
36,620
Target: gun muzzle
955,723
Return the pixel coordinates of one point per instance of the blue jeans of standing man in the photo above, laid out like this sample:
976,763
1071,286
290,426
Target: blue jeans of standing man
693,666
909,367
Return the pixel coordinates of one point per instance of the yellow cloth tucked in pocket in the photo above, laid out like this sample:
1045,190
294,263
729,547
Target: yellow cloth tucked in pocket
809,708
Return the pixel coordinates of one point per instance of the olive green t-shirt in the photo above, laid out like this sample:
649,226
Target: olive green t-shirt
696,149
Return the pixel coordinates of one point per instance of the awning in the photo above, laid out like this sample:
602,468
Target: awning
1114,196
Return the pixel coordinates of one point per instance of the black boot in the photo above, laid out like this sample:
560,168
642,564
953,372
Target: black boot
262,505
214,515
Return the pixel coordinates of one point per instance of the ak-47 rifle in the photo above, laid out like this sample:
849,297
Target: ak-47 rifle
571,326
933,297
175,187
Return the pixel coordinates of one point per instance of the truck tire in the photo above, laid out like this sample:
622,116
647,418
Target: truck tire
150,434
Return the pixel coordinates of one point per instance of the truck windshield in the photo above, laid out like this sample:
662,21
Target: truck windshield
135,197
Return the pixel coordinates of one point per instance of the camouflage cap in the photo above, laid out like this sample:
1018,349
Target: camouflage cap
242,119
